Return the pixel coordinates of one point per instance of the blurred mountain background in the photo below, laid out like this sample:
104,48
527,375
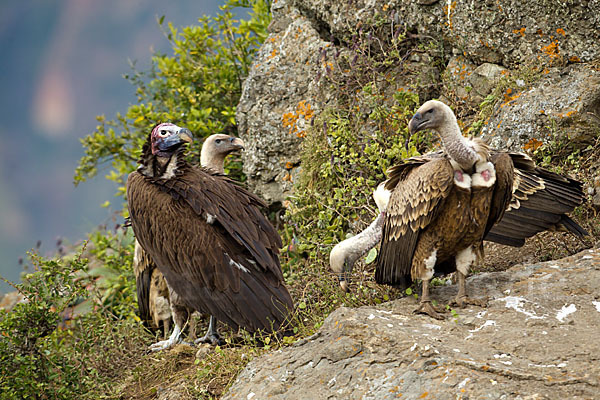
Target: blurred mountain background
62,64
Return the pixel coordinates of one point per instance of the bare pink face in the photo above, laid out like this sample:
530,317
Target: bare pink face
167,137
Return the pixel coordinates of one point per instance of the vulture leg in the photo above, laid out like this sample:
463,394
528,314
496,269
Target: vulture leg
464,260
180,318
212,335
425,306
174,339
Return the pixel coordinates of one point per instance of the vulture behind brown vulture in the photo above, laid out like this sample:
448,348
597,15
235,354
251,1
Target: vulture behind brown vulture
156,304
443,204
207,236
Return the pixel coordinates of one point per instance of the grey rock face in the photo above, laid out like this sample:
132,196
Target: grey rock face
487,35
537,338
565,101
281,84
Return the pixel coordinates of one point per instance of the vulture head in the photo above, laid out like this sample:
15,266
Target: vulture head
216,148
433,115
167,138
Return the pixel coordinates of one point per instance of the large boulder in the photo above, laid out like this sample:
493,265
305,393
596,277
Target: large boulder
536,339
564,105
283,94
278,101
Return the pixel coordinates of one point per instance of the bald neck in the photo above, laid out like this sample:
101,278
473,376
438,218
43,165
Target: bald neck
212,160
456,145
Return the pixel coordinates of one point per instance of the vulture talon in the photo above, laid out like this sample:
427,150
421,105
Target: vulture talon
427,308
212,339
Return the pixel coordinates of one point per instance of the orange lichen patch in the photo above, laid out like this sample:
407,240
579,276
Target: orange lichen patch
287,177
425,394
539,32
569,113
532,145
519,31
273,54
560,31
574,59
289,165
508,96
484,43
296,120
505,72
385,7
551,50
449,11
542,112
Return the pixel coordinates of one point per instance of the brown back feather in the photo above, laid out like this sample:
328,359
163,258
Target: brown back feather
422,185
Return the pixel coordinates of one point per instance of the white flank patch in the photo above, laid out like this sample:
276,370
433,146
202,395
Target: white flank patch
597,305
371,316
210,218
430,264
587,257
463,383
464,259
381,197
478,179
236,264
565,311
516,303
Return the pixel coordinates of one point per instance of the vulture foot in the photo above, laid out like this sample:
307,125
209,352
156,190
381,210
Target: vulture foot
212,335
174,339
163,345
211,338
463,301
427,308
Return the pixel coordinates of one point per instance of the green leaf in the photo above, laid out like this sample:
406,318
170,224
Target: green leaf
371,255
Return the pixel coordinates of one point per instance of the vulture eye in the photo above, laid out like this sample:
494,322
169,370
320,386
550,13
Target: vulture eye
429,111
163,132
218,141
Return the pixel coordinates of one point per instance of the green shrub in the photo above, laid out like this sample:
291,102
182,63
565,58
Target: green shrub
198,87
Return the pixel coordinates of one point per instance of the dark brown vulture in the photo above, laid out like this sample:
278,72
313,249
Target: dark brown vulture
152,290
442,205
207,235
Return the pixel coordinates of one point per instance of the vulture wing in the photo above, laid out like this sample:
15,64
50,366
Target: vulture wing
422,184
503,189
143,267
214,246
539,202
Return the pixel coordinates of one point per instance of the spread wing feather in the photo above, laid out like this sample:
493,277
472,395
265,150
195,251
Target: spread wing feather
503,188
540,199
421,186
219,253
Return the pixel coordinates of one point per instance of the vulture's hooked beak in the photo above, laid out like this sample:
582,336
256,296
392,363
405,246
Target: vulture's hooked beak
185,135
237,143
416,123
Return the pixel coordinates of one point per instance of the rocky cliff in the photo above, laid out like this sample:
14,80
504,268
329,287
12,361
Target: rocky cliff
539,58
529,74
536,339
